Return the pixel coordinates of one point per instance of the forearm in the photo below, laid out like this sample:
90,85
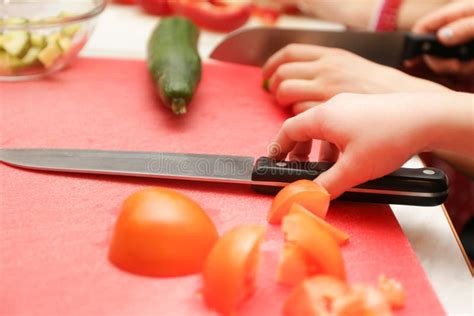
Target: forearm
452,126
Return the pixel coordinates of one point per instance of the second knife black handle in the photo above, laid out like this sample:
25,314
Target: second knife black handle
427,44
422,186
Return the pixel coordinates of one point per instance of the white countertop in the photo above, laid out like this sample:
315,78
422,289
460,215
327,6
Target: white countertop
122,32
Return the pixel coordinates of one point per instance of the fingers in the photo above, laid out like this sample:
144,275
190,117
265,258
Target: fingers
292,53
328,152
298,129
301,151
292,70
342,176
304,106
443,16
298,90
458,32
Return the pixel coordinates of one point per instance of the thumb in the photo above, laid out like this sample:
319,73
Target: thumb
346,173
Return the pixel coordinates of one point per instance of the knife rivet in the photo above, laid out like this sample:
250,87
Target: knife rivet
281,164
426,47
428,172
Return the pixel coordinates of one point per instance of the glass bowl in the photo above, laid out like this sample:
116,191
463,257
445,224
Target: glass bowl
39,37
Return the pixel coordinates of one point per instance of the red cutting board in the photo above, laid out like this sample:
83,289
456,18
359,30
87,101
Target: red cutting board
55,228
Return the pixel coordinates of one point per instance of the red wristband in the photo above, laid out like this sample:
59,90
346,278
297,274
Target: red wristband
388,15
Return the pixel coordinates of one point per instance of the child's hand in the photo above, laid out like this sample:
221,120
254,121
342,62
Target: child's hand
454,25
375,134
301,72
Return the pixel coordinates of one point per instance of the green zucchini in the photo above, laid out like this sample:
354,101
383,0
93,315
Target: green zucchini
174,62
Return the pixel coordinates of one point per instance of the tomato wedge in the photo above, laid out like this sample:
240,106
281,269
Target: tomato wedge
307,193
161,232
319,246
314,296
295,265
340,236
230,269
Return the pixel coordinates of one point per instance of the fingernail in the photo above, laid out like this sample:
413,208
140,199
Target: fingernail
446,33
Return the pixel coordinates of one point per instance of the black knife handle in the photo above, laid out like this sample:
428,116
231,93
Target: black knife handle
427,44
423,186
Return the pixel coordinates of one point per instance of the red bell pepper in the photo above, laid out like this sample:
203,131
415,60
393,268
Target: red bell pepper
216,15
156,7
126,1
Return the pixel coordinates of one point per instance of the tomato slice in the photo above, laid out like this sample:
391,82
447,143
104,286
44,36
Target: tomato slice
161,232
320,247
392,290
230,269
340,236
307,193
314,296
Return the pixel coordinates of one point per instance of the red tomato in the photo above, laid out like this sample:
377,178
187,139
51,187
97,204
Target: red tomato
319,246
218,16
340,236
156,7
314,296
307,193
161,232
230,269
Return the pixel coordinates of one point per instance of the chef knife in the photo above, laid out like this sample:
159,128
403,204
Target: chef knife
253,46
424,186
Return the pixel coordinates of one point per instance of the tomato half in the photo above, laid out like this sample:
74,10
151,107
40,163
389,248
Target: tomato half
161,232
340,236
307,193
314,296
320,247
156,7
230,269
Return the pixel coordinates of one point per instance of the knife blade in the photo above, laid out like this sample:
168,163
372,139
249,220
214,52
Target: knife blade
424,186
253,46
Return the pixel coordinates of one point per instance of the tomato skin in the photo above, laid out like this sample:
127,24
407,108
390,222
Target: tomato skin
161,232
156,7
230,269
307,193
216,16
314,296
340,236
316,242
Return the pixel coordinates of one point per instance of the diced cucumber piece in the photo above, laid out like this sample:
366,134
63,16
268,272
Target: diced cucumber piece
16,43
49,54
31,57
37,40
53,38
8,63
14,21
71,30
65,44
